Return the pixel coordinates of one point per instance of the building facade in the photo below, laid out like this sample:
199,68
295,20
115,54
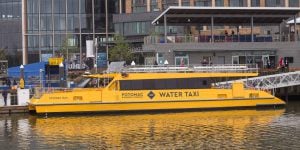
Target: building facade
10,30
53,27
135,23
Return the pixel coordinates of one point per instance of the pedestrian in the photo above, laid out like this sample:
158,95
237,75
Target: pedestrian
204,62
226,33
268,64
4,94
15,82
8,83
15,85
286,64
281,64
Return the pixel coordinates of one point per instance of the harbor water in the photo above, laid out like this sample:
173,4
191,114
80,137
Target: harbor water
227,129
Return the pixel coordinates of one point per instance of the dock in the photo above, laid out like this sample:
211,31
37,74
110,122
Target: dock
13,109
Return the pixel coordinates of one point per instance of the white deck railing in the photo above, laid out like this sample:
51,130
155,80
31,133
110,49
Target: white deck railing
192,68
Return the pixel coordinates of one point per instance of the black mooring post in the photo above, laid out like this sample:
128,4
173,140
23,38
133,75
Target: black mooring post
286,93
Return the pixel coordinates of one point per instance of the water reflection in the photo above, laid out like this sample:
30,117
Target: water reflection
238,129
173,130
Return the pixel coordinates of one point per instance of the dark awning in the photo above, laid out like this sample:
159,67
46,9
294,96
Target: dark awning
178,15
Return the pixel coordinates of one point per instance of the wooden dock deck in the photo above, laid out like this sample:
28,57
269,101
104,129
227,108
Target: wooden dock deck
13,109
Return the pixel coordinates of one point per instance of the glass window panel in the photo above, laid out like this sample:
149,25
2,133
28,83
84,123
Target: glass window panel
35,6
35,22
2,10
100,22
17,10
29,6
33,41
73,6
46,6
293,3
219,2
112,10
136,28
59,22
274,3
202,2
139,6
8,10
237,3
255,3
86,6
46,22
73,23
59,6
46,41
167,3
73,42
154,6
119,28
29,23
58,40
86,23
185,2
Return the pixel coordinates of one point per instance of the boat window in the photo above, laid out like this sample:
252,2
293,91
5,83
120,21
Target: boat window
94,82
156,84
114,86
147,84
91,83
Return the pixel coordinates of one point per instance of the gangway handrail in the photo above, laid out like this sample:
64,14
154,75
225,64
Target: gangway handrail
267,82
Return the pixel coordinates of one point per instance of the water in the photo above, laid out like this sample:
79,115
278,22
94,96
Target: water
234,129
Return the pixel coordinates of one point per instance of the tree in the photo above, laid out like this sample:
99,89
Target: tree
2,54
120,51
67,48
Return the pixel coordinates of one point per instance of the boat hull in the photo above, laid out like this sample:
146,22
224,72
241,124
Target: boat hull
158,105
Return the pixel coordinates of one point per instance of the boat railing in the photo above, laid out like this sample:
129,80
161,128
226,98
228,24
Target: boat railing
222,68
39,91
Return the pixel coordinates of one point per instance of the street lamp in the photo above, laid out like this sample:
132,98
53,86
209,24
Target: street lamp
61,74
95,66
22,81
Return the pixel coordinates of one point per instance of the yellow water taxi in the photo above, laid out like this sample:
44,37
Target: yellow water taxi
156,88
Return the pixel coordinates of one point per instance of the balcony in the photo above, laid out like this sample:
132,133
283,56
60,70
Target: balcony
219,38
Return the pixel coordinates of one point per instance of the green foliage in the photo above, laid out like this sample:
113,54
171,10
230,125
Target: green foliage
120,51
66,48
3,55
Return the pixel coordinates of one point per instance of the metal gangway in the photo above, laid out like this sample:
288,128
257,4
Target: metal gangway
268,82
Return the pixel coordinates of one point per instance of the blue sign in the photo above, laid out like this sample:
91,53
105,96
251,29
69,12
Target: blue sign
101,60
